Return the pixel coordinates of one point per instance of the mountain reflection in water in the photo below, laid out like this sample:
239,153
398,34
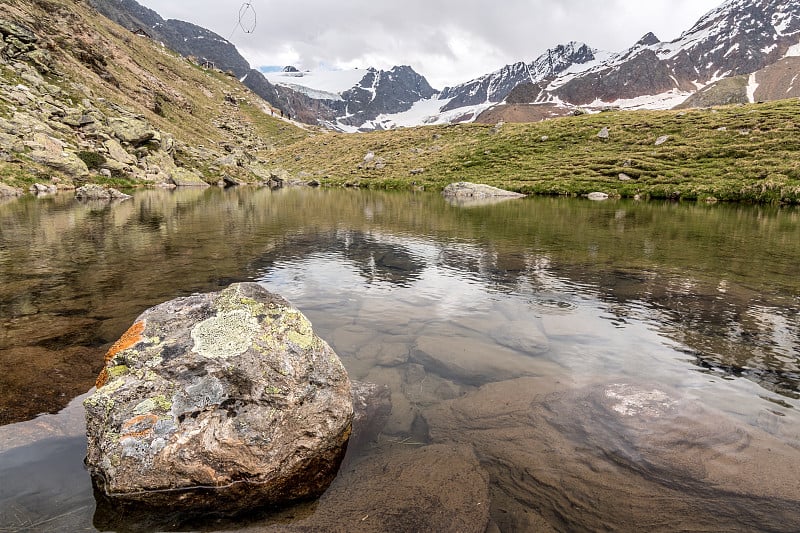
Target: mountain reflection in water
648,346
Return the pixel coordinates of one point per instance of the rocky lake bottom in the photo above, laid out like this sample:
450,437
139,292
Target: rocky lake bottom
554,364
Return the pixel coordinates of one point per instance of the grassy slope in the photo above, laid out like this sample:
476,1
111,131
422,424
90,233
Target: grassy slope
746,153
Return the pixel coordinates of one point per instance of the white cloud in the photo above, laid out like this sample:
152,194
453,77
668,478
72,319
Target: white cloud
447,41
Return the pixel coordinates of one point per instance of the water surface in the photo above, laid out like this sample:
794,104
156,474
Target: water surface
611,364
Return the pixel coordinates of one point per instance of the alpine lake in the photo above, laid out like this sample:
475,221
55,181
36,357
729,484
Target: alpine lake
590,366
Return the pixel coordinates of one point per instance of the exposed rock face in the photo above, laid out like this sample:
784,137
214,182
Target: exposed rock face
383,91
182,177
221,401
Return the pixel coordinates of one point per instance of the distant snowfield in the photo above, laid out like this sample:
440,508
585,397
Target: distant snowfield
656,102
324,81
422,113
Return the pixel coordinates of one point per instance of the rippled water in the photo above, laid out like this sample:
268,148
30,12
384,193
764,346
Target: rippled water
612,365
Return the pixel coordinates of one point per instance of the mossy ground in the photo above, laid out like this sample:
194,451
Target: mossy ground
736,153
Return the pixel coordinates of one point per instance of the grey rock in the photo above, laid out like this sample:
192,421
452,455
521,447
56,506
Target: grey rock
372,405
604,134
230,181
624,177
39,188
222,401
661,140
465,189
118,153
597,196
416,171
98,192
66,162
182,177
465,194
6,191
131,130
18,31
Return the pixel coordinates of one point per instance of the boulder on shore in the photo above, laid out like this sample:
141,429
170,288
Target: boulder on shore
466,194
224,401
98,192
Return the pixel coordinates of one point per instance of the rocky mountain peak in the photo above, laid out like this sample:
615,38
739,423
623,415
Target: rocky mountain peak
649,39
495,87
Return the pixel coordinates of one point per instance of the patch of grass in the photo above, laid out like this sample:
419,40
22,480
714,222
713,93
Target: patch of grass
93,160
726,153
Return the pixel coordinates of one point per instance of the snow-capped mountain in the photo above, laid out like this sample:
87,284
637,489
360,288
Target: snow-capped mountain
495,87
376,93
731,42
739,37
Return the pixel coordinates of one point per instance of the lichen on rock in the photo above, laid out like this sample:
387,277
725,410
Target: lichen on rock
225,335
222,401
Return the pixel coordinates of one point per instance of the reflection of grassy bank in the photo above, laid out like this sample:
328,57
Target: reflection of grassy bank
740,153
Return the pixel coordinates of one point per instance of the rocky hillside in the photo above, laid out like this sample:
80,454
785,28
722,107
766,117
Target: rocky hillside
190,40
379,92
82,98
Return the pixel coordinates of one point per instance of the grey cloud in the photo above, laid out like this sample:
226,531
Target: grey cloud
448,41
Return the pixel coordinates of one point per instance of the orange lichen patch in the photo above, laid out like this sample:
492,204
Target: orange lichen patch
128,339
138,426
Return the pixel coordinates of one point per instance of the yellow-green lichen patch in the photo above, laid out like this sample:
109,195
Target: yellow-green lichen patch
117,371
225,335
231,300
156,403
302,339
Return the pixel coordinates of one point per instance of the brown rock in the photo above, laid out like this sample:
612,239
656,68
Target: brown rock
223,401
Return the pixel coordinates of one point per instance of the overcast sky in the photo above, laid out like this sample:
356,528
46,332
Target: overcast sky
448,41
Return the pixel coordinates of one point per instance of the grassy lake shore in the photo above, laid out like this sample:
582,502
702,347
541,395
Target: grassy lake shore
739,153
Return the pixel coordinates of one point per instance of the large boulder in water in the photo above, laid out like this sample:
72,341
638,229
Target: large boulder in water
223,401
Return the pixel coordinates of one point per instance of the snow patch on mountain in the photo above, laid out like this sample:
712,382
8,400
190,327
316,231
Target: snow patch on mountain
663,101
318,81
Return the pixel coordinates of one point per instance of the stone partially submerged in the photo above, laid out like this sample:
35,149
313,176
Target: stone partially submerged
98,192
466,194
224,401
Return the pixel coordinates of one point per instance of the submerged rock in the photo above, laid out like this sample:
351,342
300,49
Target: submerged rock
223,401
620,456
428,488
